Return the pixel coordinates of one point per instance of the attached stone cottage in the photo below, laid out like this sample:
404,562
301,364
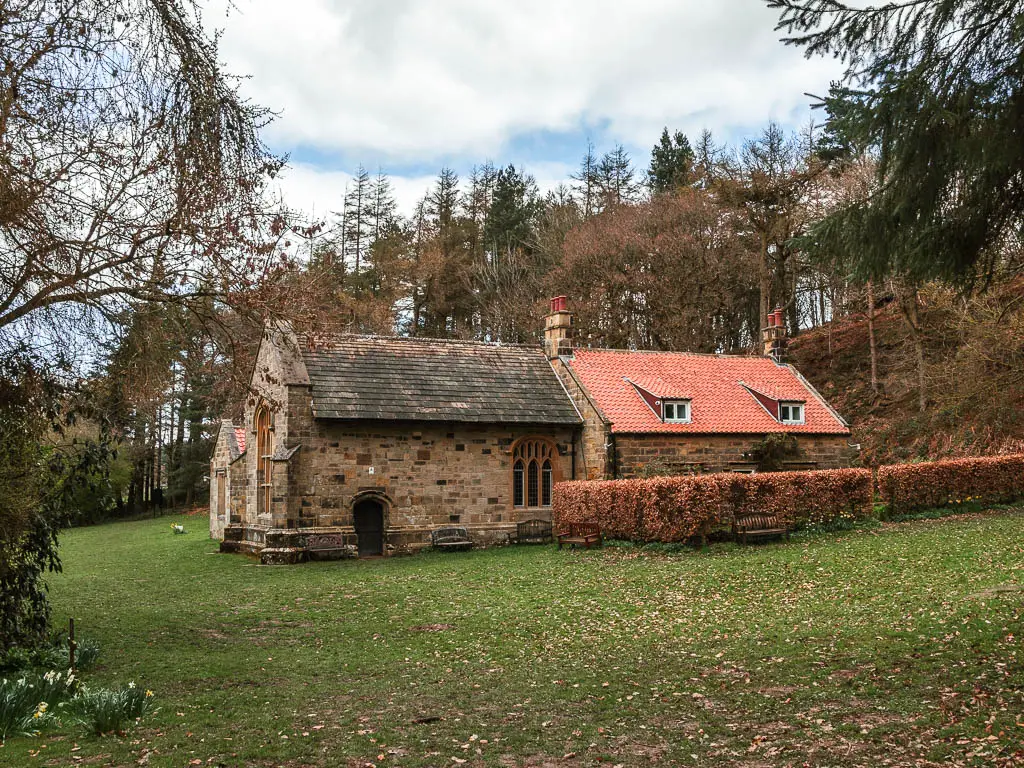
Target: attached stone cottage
364,445
682,413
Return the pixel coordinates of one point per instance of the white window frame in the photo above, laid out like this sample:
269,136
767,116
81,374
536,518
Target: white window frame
791,405
675,409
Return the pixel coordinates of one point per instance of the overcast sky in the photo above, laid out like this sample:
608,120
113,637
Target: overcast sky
411,85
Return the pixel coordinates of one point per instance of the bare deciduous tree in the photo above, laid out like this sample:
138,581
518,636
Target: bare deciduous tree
130,168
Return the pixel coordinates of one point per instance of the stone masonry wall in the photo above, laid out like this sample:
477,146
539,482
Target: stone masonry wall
235,482
639,455
430,475
238,489
219,467
592,450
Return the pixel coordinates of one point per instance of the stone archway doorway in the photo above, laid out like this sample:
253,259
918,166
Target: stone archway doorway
368,519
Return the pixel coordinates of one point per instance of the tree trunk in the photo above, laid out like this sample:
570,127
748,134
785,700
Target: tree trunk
173,479
872,342
908,307
159,444
765,284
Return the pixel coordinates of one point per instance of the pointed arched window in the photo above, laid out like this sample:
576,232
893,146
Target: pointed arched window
545,484
264,450
533,472
518,478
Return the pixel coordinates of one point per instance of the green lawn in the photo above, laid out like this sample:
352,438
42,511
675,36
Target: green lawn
892,646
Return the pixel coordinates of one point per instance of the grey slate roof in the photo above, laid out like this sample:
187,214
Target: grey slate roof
430,380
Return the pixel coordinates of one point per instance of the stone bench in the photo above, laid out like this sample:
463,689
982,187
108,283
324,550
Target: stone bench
451,537
533,532
328,546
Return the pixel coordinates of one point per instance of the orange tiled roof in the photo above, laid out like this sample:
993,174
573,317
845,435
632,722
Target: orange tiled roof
716,385
240,439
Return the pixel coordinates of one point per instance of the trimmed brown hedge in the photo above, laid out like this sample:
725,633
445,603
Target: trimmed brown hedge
675,509
910,487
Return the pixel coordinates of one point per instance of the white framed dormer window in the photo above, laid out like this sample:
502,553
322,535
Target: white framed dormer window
676,411
791,413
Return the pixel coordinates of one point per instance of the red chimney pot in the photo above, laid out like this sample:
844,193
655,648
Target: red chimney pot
558,304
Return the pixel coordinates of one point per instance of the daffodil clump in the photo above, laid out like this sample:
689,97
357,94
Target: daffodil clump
105,711
32,702
28,702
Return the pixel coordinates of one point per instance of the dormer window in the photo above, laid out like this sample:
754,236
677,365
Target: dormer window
791,413
676,411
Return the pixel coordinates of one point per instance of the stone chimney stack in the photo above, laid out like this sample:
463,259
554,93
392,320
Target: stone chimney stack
775,339
558,329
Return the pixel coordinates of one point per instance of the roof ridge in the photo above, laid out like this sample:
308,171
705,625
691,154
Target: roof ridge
305,339
716,355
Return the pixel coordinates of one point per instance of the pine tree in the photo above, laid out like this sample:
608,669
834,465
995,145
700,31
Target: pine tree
508,280
935,88
587,187
481,190
477,204
671,163
357,225
513,213
616,178
443,200
771,192
707,161
382,205
446,263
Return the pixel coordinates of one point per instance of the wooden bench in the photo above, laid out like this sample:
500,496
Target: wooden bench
586,534
450,537
760,527
533,532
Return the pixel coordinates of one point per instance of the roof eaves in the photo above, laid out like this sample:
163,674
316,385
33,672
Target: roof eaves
567,395
819,398
567,362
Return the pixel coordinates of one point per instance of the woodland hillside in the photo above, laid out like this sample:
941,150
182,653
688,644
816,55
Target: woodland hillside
974,375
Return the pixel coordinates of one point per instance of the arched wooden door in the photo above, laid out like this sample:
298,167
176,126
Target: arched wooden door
368,519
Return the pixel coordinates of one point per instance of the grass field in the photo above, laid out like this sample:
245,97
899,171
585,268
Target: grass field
898,645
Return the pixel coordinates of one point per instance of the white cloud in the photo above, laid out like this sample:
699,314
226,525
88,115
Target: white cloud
405,80
421,83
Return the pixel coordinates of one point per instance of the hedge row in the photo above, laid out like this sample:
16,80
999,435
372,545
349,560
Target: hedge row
674,509
909,487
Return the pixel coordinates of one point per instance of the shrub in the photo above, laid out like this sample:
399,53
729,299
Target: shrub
679,508
53,655
105,711
909,487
